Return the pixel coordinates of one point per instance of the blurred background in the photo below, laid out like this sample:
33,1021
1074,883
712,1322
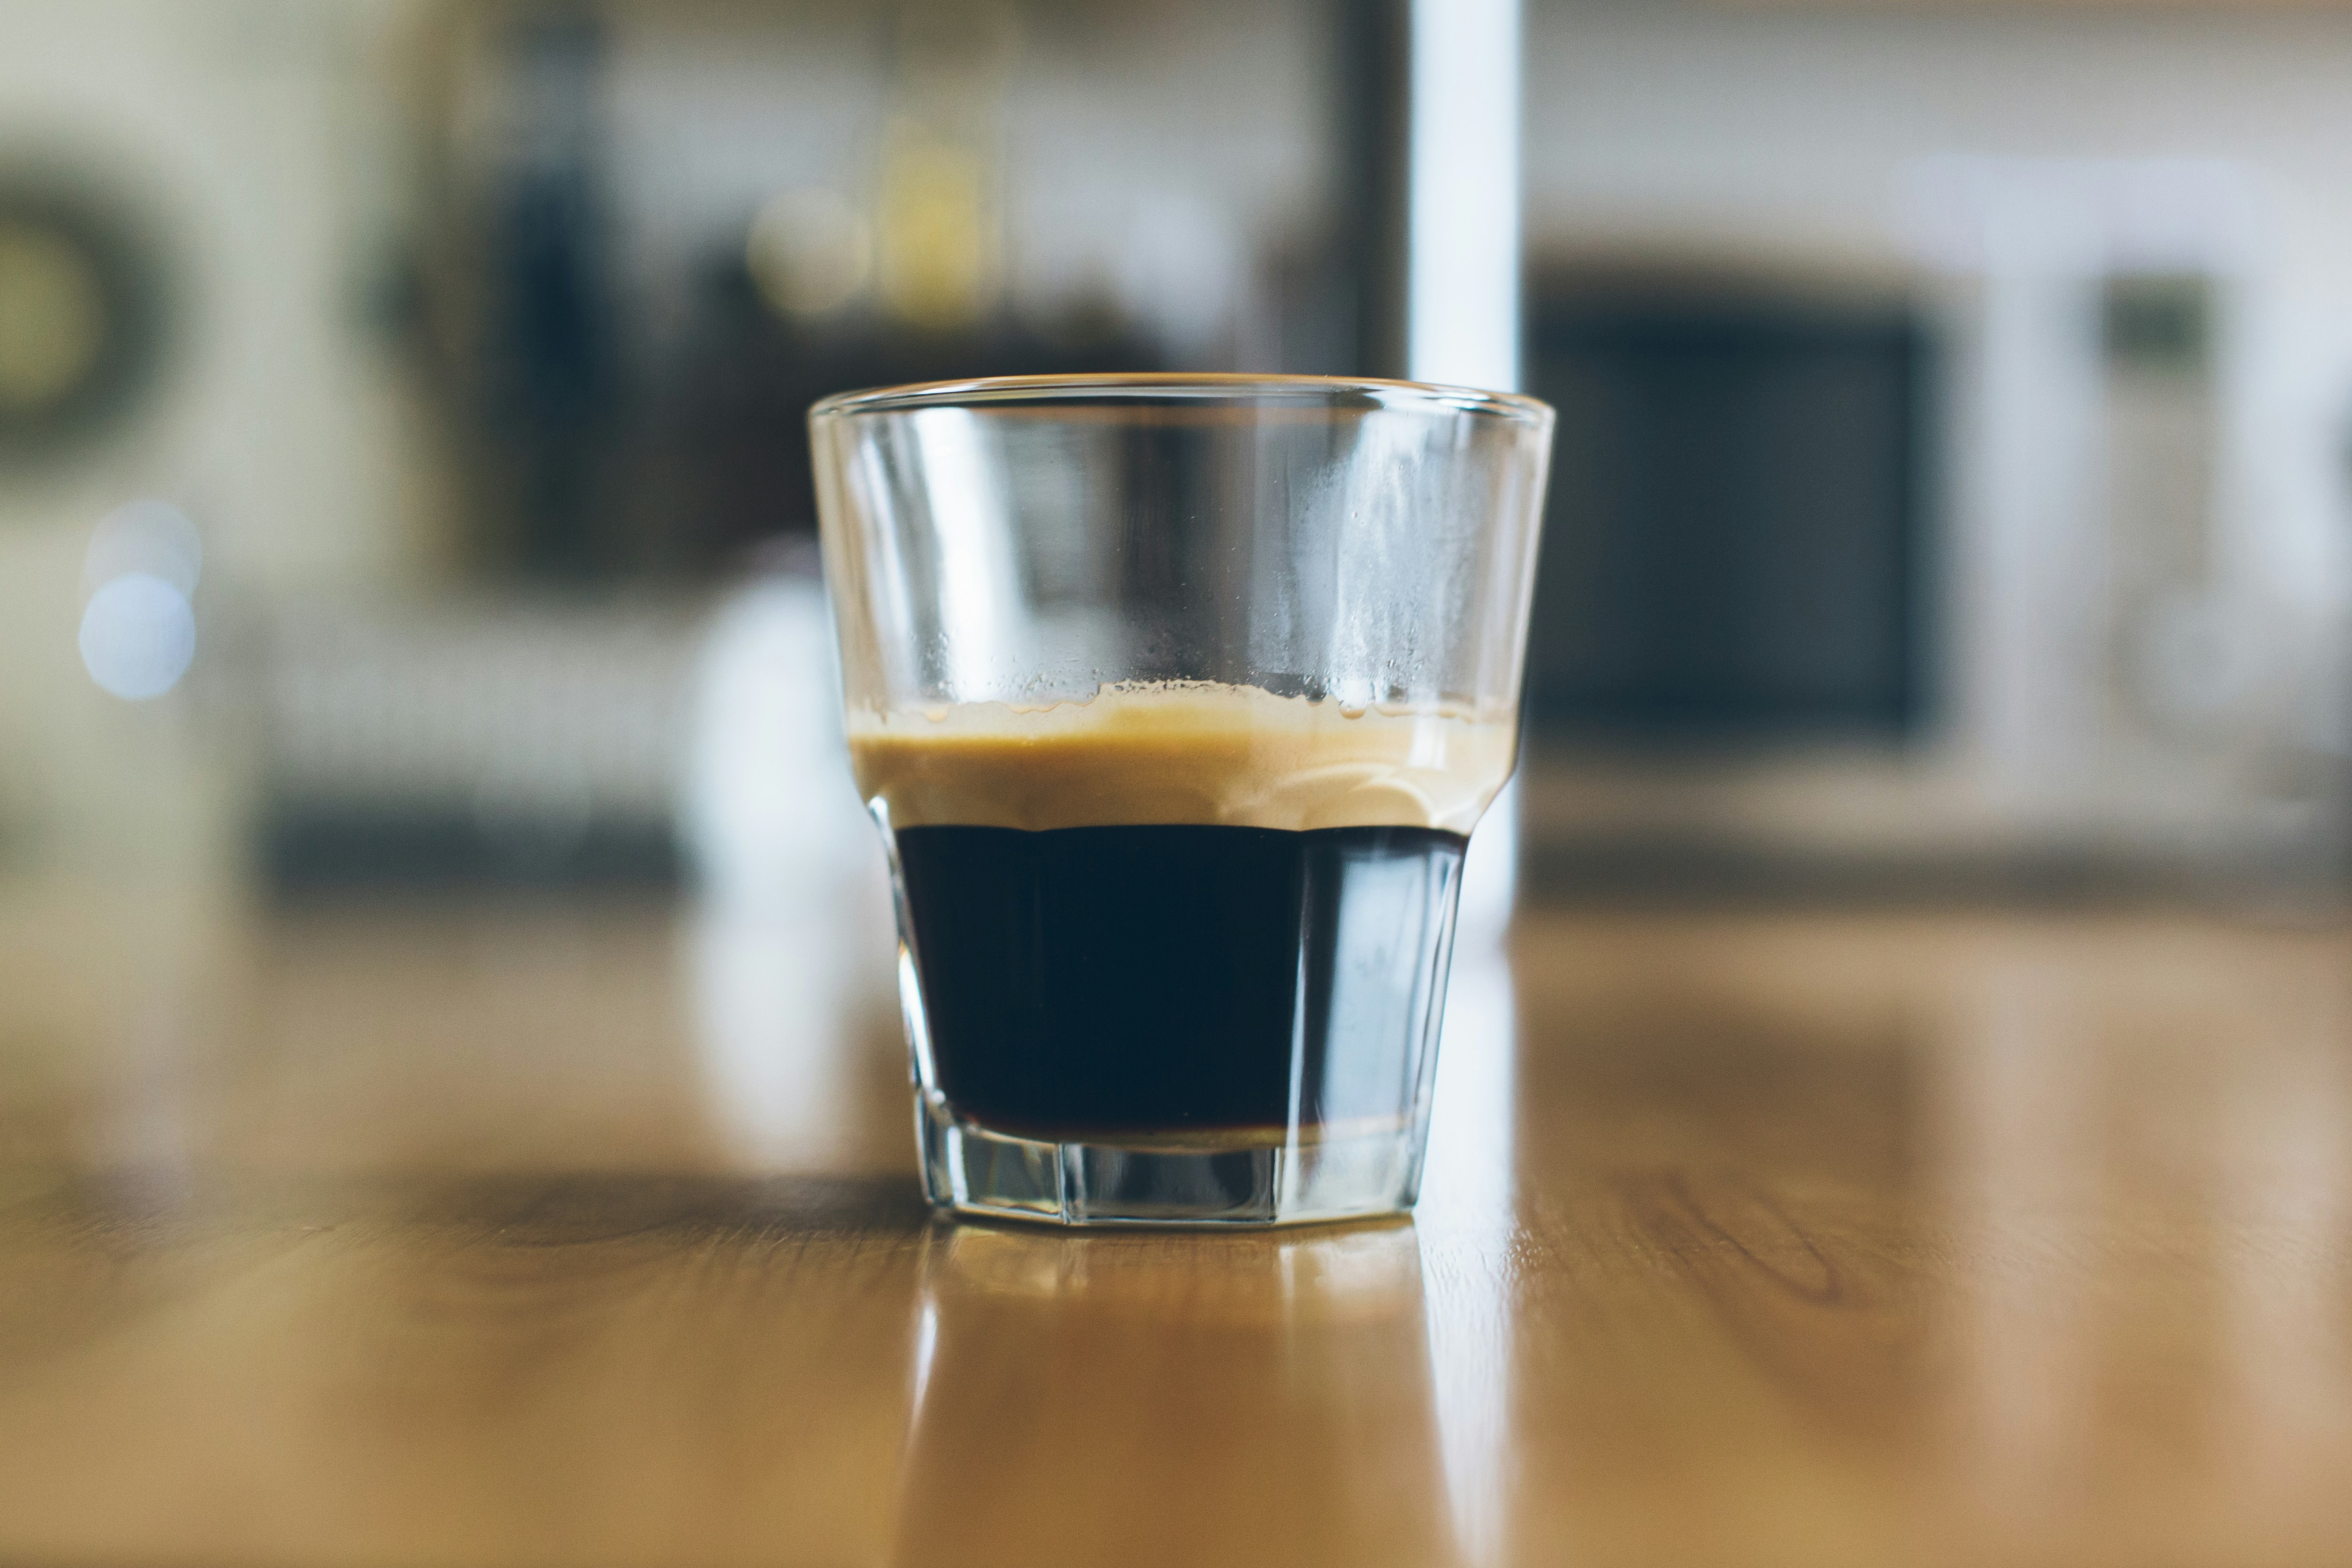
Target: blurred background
403,483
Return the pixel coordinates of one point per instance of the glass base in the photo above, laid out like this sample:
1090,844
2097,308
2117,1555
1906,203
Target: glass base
1355,1176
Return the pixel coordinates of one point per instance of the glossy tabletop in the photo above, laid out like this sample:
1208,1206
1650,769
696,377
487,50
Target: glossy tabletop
518,1234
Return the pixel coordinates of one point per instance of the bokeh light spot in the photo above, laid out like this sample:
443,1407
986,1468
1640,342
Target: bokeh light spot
138,636
810,252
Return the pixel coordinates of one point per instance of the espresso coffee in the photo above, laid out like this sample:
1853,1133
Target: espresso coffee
1191,915
1126,982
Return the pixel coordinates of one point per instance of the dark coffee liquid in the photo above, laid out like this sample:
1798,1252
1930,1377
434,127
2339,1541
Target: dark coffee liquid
1158,981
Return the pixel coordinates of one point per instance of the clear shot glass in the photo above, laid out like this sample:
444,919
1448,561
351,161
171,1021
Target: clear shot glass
1176,699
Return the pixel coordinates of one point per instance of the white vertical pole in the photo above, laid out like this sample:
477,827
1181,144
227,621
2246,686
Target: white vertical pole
1462,290
1461,326
1462,245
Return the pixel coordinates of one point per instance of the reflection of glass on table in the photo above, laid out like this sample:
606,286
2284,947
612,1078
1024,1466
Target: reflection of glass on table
1268,1395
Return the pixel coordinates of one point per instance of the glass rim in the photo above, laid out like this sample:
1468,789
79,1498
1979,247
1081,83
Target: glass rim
1234,389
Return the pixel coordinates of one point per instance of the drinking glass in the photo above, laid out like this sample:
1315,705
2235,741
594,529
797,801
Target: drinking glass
1176,699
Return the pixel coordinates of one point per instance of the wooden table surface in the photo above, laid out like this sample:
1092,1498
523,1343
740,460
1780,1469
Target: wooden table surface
482,1235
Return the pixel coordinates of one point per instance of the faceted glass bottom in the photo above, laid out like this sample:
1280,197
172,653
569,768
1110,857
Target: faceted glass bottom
1351,1175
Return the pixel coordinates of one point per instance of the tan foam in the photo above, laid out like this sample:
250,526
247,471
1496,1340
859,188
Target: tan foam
1234,755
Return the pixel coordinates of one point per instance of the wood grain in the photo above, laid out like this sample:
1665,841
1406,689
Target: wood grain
467,1235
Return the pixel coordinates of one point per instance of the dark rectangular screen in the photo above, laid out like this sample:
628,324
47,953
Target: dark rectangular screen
1731,540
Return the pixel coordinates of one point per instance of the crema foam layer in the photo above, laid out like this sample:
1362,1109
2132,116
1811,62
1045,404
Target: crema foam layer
1180,753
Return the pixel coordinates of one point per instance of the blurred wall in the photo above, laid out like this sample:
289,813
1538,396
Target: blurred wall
252,152
1766,131
303,172
1999,168
257,146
